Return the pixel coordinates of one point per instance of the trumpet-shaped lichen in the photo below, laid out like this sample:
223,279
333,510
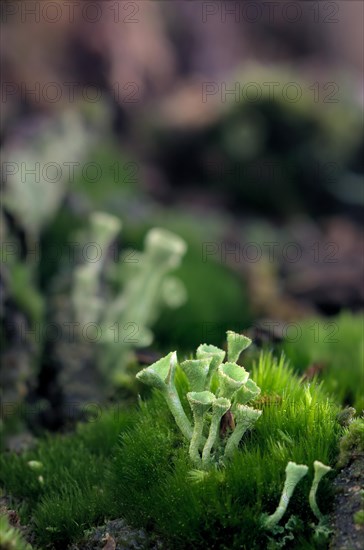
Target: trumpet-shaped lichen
320,471
234,390
143,285
200,403
294,474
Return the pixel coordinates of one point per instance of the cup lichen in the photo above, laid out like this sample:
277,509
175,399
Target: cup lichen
320,471
208,445
294,474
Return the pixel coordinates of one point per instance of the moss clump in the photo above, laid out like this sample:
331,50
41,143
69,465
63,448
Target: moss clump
352,442
337,345
146,478
135,465
359,517
151,475
65,494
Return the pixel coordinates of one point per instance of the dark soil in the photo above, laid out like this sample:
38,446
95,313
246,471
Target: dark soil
349,486
117,535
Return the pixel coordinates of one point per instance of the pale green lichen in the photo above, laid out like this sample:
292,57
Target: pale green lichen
161,375
236,343
294,474
196,371
245,418
219,407
33,196
231,378
247,392
140,286
320,471
200,403
216,356
208,444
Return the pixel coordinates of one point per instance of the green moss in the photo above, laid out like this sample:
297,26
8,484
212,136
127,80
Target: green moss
337,345
69,497
150,475
216,302
146,478
352,442
359,517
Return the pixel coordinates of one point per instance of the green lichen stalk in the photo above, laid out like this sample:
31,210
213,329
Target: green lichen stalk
320,471
219,407
294,474
245,419
161,375
200,403
142,285
144,288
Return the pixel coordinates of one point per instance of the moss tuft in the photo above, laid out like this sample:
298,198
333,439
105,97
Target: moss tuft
352,442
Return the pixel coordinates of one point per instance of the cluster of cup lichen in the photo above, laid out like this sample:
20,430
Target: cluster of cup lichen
142,285
218,389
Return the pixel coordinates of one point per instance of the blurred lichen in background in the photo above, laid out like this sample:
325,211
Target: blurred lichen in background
141,285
